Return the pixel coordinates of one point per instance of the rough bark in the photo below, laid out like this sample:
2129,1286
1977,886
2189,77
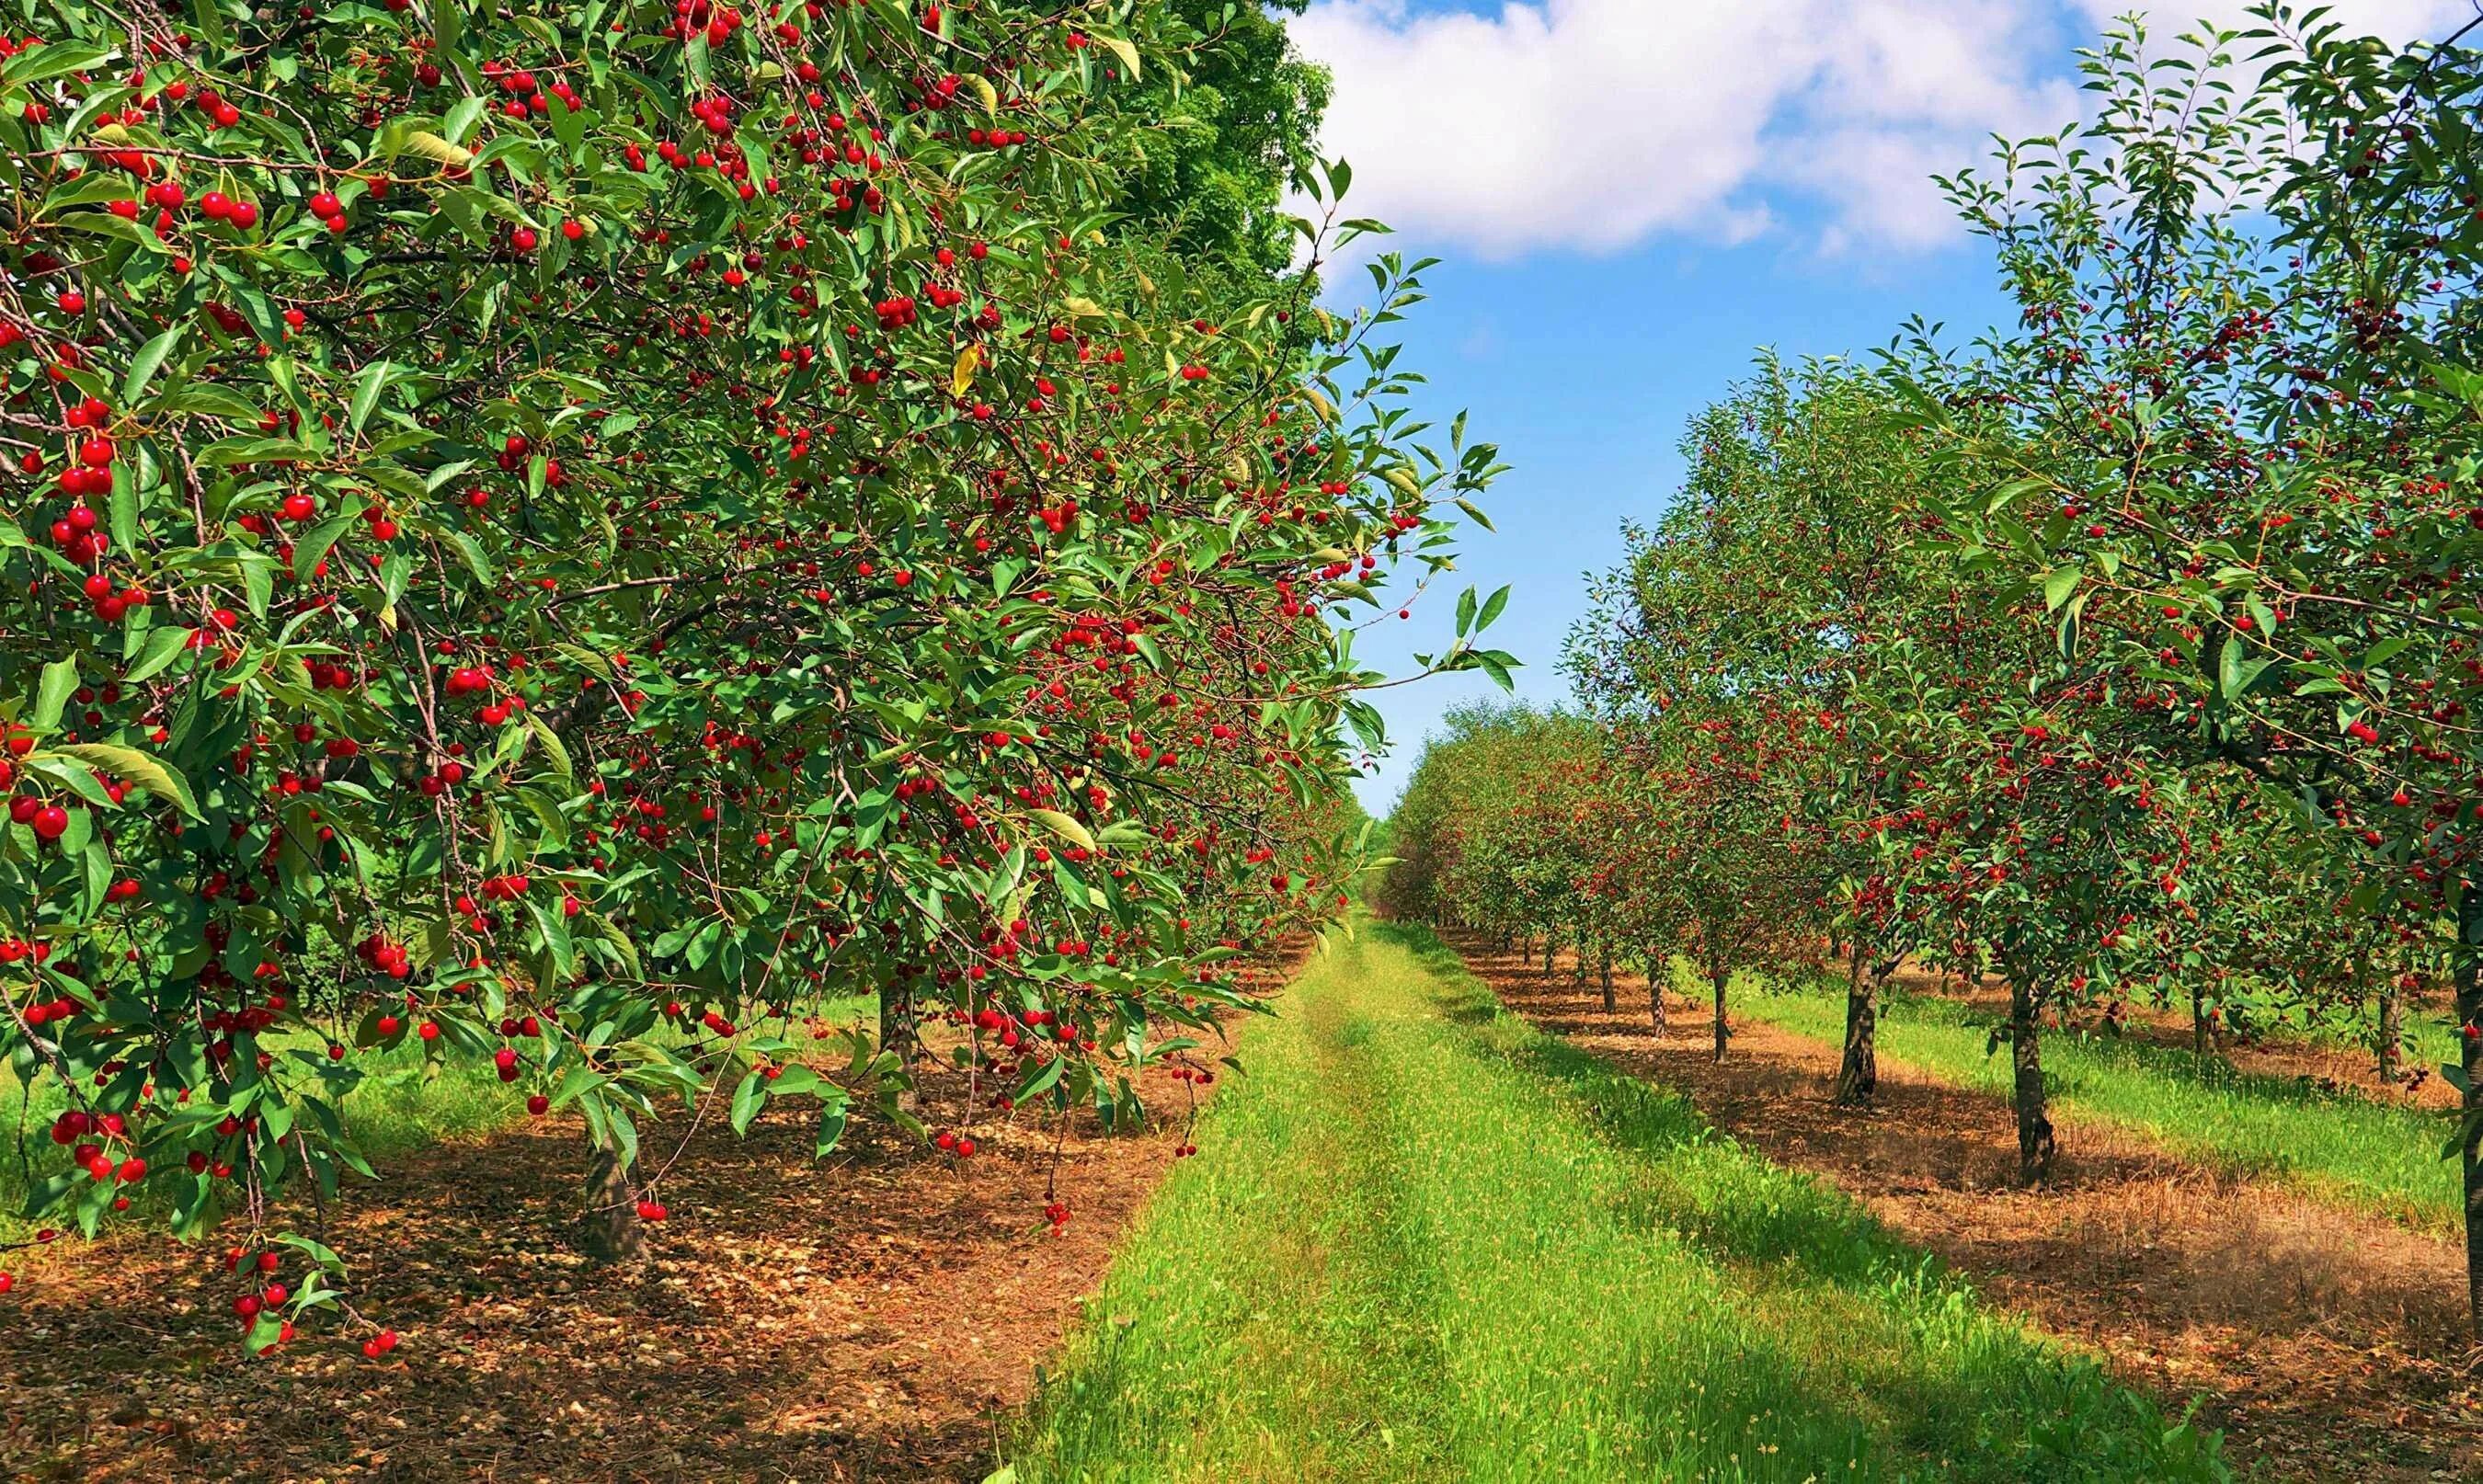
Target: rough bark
2468,973
1857,1076
1716,975
2203,1029
899,1031
612,1231
2391,1032
1655,980
2035,1144
1604,967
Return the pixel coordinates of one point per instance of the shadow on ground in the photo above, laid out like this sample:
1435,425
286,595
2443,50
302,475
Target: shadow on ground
866,1317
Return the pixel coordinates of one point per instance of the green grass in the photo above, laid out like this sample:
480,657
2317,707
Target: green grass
2340,1146
1426,1241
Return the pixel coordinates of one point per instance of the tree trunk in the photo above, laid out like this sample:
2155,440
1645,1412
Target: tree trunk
2468,973
613,1232
2202,1035
1604,967
1858,1077
1655,981
2035,1146
1551,948
900,1032
1716,975
2391,1033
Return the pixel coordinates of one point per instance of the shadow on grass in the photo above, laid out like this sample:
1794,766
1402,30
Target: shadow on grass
1797,1240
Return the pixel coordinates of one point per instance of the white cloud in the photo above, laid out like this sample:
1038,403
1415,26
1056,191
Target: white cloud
1594,124
2399,21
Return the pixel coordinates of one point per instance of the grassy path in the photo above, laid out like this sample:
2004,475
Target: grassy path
1426,1241
2381,1157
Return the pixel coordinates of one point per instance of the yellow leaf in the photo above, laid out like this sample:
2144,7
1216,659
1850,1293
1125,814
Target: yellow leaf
964,375
430,146
1404,479
984,90
1066,828
1085,308
132,766
1128,54
1319,398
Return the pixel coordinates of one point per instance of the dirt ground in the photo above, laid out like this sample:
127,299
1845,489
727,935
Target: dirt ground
2326,1345
870,1316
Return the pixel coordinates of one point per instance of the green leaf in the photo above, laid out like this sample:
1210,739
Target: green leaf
554,749
746,1100
258,584
144,365
42,64
210,19
163,647
832,1120
58,678
316,542
2234,675
97,862
1038,1080
124,507
367,387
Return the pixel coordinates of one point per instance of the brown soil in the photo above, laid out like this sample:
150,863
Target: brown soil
870,1316
2327,1345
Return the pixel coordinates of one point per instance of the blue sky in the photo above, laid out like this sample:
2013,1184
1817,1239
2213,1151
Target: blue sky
1587,397
1631,197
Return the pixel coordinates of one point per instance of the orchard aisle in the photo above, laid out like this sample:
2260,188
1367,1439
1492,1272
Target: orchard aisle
1427,1241
2325,1339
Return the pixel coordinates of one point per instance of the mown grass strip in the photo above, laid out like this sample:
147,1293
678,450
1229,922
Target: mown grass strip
1426,1241
2341,1145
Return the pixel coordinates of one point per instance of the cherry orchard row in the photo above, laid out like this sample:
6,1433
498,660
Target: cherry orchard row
564,533
2131,654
